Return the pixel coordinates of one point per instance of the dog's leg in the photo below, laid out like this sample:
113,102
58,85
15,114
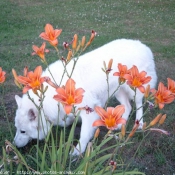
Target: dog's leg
122,97
70,119
87,131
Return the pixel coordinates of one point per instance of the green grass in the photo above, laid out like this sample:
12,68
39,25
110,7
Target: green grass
152,22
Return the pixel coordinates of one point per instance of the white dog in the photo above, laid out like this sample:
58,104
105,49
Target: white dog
89,76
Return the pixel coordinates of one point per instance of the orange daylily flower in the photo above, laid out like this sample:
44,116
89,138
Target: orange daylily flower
110,118
122,71
162,95
69,96
2,76
136,79
32,80
51,35
40,51
171,85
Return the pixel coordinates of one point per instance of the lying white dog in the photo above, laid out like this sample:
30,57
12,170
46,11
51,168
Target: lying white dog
89,76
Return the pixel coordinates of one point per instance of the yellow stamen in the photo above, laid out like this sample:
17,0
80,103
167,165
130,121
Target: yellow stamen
70,100
110,122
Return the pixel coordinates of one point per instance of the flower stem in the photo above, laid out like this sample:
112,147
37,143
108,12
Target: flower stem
106,104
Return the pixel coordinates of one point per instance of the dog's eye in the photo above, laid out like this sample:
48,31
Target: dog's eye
23,132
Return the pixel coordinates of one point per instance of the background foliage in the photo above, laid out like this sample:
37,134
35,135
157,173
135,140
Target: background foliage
151,21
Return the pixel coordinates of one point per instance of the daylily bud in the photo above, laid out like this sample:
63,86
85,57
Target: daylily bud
93,34
147,91
69,55
74,43
155,120
89,149
162,120
110,64
18,84
87,44
83,41
134,129
48,80
78,47
15,74
144,126
25,71
123,130
104,64
45,89
97,132
16,78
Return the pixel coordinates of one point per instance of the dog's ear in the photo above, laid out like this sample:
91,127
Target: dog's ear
18,100
32,115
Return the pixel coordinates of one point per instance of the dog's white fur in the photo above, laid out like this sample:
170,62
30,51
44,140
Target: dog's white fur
89,76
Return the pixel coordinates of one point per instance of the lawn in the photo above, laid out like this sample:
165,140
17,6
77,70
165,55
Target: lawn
152,22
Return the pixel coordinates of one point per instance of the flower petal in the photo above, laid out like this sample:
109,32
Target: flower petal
101,112
25,89
53,42
35,48
98,123
68,109
118,111
44,36
57,32
121,121
61,96
23,80
49,29
110,110
161,105
70,87
141,89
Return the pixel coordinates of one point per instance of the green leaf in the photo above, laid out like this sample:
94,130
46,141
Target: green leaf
100,161
60,153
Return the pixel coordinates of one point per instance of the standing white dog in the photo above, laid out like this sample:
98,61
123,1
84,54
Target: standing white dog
89,76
